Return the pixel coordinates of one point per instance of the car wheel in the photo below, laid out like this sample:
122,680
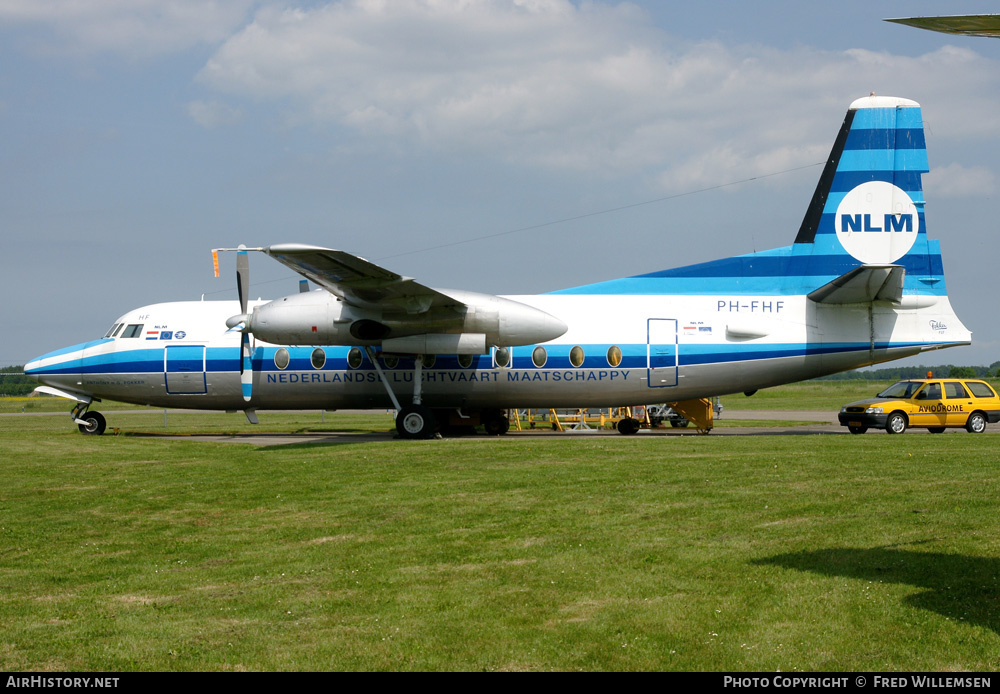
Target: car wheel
857,430
936,430
976,423
896,424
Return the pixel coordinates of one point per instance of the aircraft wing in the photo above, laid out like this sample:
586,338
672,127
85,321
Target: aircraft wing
358,281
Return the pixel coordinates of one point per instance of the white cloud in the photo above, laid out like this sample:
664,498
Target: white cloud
136,28
957,181
535,82
547,83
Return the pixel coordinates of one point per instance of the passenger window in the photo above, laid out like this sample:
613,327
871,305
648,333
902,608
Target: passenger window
502,356
539,356
281,358
354,358
576,356
955,390
614,355
134,330
318,358
981,390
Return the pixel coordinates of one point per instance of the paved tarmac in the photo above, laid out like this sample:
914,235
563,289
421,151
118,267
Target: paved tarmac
819,423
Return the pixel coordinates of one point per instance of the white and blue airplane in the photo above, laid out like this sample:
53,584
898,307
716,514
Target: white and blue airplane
861,284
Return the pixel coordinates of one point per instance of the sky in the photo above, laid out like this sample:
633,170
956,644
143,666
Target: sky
503,147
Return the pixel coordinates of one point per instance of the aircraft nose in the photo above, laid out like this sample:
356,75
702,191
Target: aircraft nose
33,367
58,365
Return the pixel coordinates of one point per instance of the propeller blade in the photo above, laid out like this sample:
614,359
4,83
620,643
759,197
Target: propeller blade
246,369
243,277
243,287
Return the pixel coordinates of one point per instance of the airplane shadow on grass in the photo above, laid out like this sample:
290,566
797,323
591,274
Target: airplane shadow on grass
957,586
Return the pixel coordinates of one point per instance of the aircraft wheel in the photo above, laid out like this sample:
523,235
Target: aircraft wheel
95,424
415,422
896,424
628,426
857,430
495,423
976,423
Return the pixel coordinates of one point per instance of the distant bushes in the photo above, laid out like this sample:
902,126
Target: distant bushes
14,382
898,373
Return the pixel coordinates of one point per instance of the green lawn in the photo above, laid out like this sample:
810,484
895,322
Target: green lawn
563,552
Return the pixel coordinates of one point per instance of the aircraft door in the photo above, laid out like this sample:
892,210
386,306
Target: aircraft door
661,352
184,369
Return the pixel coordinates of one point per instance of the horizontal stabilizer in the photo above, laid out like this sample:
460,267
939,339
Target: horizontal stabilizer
863,284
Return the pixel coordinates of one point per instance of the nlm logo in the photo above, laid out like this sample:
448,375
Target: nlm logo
863,222
887,212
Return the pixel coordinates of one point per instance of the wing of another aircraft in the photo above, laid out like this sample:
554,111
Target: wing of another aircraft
969,25
358,281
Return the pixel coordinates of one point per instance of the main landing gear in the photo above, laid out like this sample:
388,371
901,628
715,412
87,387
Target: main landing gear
92,423
417,421
414,421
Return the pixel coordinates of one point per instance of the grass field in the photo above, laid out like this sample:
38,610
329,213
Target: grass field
558,552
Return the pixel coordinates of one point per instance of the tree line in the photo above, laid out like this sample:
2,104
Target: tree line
899,373
14,382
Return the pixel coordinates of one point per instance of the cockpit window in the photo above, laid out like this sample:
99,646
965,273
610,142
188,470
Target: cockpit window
134,330
112,330
117,329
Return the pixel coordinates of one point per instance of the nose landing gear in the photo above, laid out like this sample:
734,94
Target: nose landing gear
91,423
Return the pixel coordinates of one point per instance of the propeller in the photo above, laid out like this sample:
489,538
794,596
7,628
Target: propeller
243,286
241,321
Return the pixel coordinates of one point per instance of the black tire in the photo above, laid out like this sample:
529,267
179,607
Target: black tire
628,426
95,426
896,423
976,423
495,422
415,422
857,430
936,430
679,422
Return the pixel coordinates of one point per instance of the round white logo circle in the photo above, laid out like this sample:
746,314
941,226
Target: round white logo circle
877,222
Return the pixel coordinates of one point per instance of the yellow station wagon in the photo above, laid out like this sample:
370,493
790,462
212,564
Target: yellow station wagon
932,403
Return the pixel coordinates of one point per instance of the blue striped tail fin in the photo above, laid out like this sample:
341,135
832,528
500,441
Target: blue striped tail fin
868,209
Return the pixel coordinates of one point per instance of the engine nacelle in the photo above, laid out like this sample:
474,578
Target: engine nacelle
320,318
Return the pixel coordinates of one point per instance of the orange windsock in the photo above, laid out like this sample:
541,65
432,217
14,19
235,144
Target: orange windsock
215,261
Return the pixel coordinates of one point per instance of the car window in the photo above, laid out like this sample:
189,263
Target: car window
980,389
903,389
931,392
955,390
